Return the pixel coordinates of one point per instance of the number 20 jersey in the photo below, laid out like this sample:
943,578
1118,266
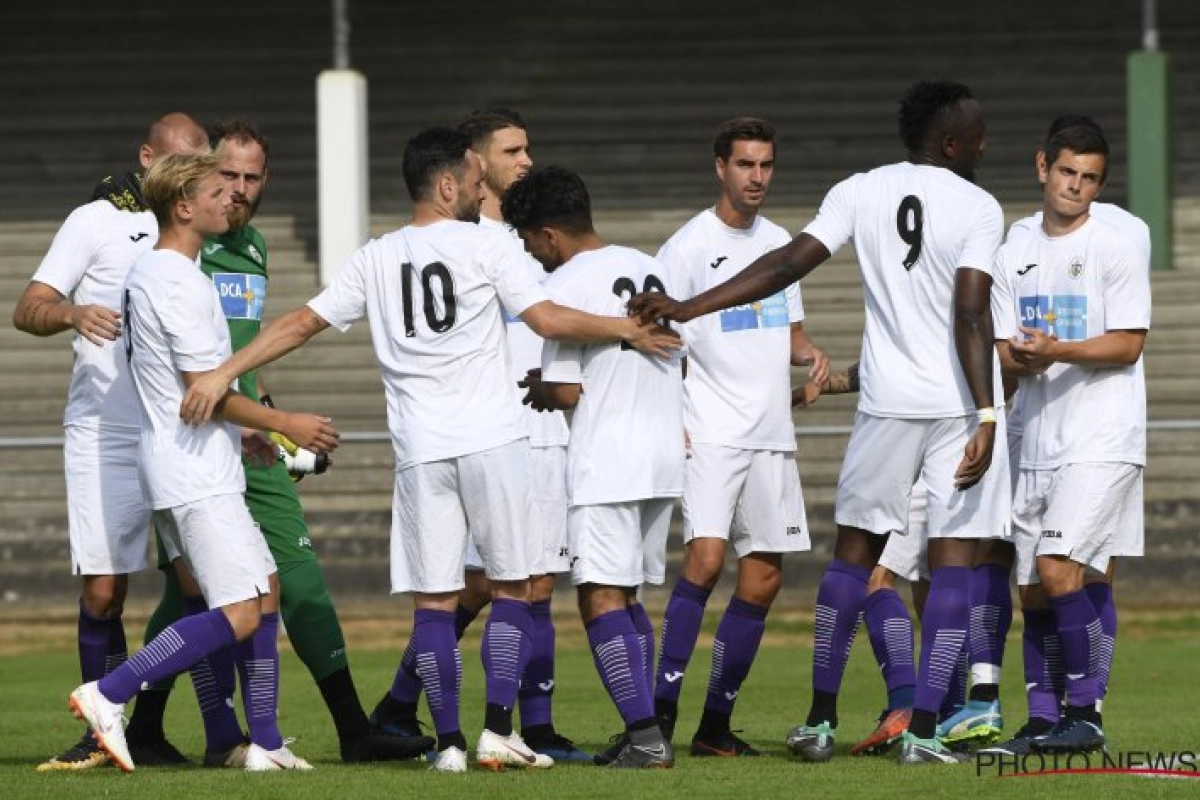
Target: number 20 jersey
432,294
913,227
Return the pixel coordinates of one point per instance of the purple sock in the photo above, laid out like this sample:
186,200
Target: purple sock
406,687
943,634
645,630
618,657
101,644
840,599
1078,626
891,631
1101,595
258,664
180,645
738,635
956,692
1043,664
214,678
680,629
507,642
537,682
991,616
439,663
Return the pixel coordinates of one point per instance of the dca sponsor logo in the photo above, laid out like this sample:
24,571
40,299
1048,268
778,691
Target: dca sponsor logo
242,296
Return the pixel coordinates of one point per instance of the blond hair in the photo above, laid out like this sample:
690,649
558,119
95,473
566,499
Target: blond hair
173,178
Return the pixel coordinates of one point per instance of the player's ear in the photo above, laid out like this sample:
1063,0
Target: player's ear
1043,169
719,165
447,185
146,156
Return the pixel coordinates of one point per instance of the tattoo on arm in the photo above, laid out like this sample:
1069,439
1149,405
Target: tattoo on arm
842,382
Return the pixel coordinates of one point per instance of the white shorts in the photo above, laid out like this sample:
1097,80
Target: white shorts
108,511
620,544
223,546
437,505
1076,511
884,458
752,498
1130,541
906,551
548,513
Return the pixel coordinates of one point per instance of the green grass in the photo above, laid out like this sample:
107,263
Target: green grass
1153,708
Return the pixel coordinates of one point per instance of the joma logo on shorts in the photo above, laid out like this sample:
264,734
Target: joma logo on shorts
1051,534
794,530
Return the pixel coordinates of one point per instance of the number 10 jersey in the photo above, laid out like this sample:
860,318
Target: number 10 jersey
913,226
432,294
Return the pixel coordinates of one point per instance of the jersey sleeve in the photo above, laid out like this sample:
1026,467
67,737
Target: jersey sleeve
1126,288
984,232
562,361
1004,303
70,253
834,223
795,302
509,270
187,321
677,269
344,301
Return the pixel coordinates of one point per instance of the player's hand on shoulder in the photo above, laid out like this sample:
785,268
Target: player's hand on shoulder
653,339
977,457
95,323
651,306
311,431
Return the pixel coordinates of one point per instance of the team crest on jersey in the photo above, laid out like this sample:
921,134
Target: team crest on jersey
1064,316
253,251
768,313
242,296
1075,268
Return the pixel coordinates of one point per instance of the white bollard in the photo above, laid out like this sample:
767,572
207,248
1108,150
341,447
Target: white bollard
343,206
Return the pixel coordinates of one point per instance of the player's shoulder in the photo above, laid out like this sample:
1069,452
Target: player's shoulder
1115,237
767,229
1022,229
1130,225
691,235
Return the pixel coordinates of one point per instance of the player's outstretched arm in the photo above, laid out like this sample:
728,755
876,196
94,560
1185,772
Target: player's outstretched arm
43,311
274,341
310,431
975,345
766,276
553,321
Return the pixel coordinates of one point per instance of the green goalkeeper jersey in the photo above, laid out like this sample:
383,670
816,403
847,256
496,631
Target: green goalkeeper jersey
237,264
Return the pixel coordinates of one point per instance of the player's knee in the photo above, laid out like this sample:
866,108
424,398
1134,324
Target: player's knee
104,595
542,588
243,617
703,562
881,578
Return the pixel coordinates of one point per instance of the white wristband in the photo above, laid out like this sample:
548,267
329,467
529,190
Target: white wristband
985,415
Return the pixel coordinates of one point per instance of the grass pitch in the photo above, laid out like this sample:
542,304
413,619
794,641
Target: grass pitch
1152,709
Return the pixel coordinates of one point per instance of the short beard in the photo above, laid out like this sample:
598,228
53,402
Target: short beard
240,214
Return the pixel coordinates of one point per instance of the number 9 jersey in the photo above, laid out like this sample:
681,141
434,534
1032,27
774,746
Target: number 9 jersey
913,227
432,294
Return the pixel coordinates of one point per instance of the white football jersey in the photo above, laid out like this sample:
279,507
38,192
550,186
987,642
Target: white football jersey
174,324
738,387
1108,213
87,263
913,227
433,295
547,428
627,431
1077,286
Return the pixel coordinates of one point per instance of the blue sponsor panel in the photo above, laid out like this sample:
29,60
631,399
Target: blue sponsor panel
242,296
769,313
1064,316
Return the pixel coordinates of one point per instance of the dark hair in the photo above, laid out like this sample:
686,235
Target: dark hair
548,197
741,129
923,103
1071,121
239,130
1079,135
480,125
430,153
